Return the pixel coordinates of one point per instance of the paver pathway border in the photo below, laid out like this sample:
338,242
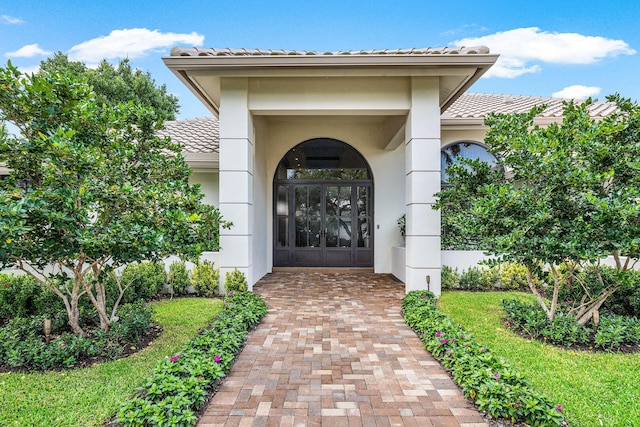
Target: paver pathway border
334,350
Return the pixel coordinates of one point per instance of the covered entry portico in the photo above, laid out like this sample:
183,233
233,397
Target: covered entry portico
386,105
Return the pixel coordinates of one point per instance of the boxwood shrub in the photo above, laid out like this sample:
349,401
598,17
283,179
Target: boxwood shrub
179,385
491,382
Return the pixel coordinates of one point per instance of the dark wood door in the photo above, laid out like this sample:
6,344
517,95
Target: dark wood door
322,224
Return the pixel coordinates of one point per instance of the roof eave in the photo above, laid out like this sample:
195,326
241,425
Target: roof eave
308,65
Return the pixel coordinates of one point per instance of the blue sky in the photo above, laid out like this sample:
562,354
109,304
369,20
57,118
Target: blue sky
561,48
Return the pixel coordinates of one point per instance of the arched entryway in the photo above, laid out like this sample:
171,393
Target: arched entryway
323,200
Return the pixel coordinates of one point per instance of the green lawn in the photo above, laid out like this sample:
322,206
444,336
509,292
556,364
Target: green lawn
88,397
595,389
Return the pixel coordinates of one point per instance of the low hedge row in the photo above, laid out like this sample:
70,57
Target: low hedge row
179,385
610,334
491,382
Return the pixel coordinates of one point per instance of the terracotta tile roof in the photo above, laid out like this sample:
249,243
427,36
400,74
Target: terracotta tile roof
478,105
182,51
199,135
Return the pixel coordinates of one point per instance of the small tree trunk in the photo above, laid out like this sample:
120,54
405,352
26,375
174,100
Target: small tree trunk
535,291
556,291
74,315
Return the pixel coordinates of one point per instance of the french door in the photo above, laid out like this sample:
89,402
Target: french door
323,224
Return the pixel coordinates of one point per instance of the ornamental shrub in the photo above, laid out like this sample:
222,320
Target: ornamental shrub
513,276
450,278
612,331
178,278
235,281
18,296
179,385
491,382
144,280
205,279
23,344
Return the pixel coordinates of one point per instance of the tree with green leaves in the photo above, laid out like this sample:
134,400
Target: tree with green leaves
115,84
91,188
570,197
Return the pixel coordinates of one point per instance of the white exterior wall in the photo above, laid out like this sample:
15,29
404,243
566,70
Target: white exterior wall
209,185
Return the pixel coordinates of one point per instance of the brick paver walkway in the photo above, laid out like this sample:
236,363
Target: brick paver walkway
333,350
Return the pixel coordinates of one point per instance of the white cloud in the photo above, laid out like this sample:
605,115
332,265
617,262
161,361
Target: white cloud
131,43
28,51
6,19
577,92
520,48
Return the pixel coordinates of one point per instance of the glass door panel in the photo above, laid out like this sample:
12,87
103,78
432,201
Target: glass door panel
364,216
307,216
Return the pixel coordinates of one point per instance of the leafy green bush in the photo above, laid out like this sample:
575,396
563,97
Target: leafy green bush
566,331
609,334
205,279
178,278
143,281
18,296
450,278
24,345
179,386
491,382
513,276
478,279
235,281
500,276
613,331
22,296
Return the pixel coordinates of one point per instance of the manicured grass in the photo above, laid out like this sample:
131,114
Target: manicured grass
595,389
88,397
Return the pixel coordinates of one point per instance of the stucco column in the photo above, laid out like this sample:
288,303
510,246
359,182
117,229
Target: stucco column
236,178
422,165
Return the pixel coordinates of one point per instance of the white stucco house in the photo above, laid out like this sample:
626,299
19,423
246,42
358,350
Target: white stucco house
315,155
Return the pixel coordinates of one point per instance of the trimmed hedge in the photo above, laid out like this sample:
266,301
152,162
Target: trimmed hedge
491,382
179,385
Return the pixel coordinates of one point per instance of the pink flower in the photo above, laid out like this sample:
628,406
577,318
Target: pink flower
176,357
438,334
515,405
559,408
496,376
462,336
217,359
482,350
443,341
424,297
231,293
422,335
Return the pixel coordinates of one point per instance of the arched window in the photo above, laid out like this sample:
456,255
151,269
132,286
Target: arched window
450,154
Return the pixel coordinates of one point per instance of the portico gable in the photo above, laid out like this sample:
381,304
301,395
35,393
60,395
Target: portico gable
382,105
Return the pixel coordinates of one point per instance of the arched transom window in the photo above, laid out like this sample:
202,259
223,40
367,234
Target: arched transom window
452,153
